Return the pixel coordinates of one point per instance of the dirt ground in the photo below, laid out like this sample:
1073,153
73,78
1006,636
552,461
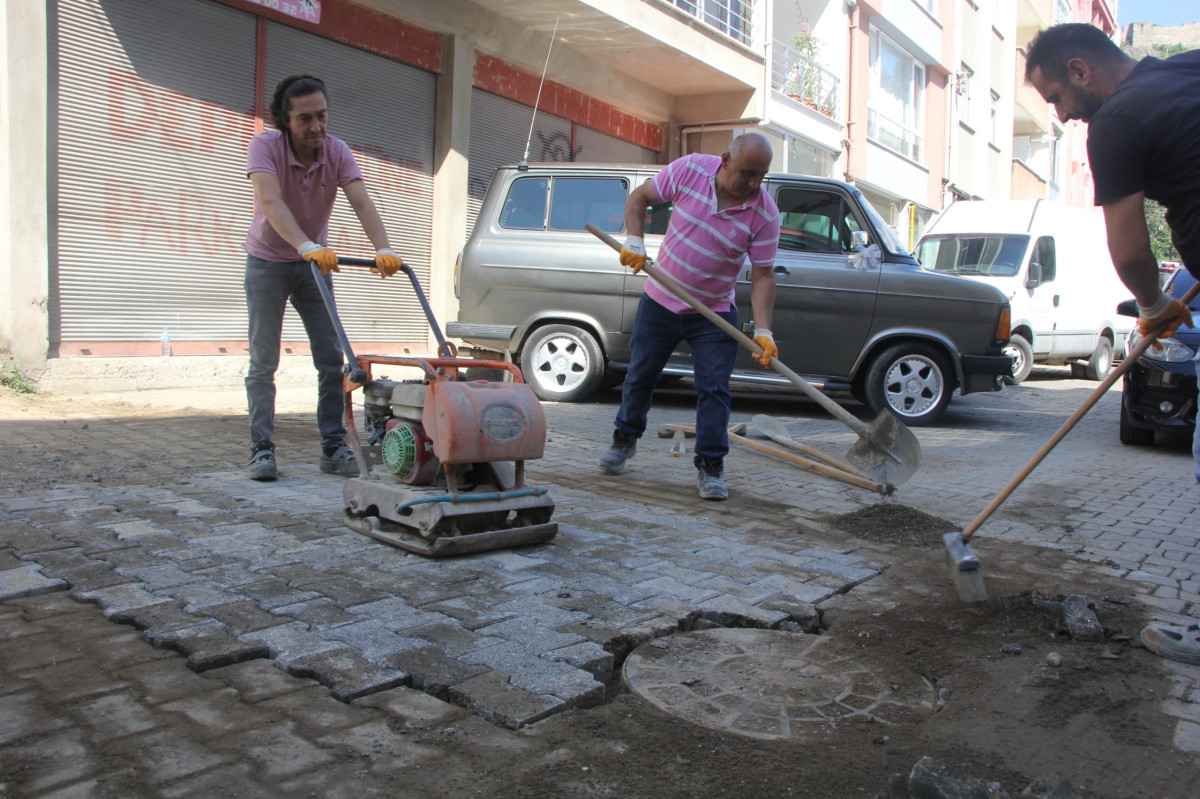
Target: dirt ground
1005,713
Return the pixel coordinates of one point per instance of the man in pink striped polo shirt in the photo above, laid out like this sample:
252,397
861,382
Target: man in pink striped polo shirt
720,218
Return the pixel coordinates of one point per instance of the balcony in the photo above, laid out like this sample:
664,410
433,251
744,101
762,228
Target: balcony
676,47
804,80
1031,114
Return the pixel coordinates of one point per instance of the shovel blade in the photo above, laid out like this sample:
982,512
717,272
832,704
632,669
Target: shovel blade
887,450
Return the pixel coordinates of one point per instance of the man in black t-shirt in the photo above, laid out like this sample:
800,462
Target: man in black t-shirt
1142,142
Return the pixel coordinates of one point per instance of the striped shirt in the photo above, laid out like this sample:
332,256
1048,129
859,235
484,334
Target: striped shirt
704,248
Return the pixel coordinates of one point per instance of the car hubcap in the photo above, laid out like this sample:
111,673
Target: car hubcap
560,363
913,386
1018,358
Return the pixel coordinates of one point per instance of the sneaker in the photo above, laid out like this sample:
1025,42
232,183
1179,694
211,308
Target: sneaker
1173,641
340,462
624,447
262,466
712,484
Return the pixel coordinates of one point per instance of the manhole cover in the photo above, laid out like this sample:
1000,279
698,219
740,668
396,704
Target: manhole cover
761,683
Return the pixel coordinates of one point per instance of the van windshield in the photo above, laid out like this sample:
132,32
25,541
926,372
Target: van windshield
997,256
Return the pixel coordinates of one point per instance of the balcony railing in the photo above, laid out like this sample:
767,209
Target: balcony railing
894,135
805,81
730,17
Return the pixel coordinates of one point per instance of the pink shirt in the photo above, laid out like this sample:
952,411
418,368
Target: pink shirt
704,248
309,192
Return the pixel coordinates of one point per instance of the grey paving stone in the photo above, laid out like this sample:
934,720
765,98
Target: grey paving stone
587,656
491,697
245,616
347,674
469,611
578,689
727,611
207,646
452,638
163,617
318,614
372,639
290,641
27,580
431,671
117,598
273,592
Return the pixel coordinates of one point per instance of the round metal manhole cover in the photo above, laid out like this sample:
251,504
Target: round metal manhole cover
765,684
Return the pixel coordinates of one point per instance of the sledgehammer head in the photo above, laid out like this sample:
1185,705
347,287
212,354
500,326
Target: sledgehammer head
964,569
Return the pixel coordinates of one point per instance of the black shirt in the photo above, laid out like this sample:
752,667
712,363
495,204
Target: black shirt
1146,137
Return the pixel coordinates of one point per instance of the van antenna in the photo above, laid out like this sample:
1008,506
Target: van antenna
525,161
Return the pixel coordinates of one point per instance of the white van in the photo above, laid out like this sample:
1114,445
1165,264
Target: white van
1051,260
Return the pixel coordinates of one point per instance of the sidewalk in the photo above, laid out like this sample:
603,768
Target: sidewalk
272,602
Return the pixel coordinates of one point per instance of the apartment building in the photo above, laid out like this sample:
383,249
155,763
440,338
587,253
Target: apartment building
124,125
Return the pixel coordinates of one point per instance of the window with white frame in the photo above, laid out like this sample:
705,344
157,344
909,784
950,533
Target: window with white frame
1062,11
992,129
895,100
928,5
962,91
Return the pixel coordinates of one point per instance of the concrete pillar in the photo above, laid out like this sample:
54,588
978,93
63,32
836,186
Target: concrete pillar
24,183
451,143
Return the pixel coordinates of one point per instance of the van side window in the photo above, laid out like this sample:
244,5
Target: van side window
525,206
576,201
814,221
658,217
1044,255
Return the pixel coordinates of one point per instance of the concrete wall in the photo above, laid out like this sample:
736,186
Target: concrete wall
24,187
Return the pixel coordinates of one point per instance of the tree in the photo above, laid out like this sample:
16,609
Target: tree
1160,234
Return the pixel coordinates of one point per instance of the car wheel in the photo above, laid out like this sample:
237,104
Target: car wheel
562,363
910,380
1100,363
1131,435
1021,352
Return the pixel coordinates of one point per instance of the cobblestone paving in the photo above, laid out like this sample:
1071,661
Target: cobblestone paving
229,572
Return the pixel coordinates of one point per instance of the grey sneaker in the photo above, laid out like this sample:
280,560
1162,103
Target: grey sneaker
262,466
712,484
340,462
1172,641
624,447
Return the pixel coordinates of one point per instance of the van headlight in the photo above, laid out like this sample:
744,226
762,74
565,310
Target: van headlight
1166,350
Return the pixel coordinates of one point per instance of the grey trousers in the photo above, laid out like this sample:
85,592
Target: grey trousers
270,285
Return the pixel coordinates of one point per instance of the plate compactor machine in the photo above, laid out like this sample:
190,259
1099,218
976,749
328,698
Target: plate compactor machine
443,468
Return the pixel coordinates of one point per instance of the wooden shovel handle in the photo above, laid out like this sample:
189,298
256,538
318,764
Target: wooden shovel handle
1092,399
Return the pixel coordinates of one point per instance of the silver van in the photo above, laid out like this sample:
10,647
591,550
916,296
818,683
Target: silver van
854,312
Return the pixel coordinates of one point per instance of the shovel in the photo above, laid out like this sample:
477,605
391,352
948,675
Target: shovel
886,449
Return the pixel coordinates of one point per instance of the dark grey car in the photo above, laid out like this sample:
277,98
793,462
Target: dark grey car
854,312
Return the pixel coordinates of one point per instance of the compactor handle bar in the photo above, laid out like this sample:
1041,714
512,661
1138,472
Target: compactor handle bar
406,269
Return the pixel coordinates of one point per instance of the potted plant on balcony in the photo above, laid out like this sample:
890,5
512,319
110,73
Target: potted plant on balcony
804,79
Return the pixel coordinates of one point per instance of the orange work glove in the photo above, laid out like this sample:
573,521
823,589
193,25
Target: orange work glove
387,263
633,254
323,257
1166,310
765,339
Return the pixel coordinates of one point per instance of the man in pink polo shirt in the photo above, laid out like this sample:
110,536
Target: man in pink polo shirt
720,218
296,171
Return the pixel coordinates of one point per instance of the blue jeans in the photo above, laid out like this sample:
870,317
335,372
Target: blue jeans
656,333
269,287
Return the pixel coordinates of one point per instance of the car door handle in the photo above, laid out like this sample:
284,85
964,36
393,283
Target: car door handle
782,271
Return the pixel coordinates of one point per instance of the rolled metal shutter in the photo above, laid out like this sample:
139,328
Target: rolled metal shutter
499,130
385,112
595,147
154,108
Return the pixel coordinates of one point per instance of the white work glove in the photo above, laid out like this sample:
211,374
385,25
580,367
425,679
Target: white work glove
765,339
1165,310
323,257
633,254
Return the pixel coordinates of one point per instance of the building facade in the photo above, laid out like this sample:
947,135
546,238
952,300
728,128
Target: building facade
124,125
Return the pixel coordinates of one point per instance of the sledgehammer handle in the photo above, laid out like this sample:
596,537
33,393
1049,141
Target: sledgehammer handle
837,411
1093,398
